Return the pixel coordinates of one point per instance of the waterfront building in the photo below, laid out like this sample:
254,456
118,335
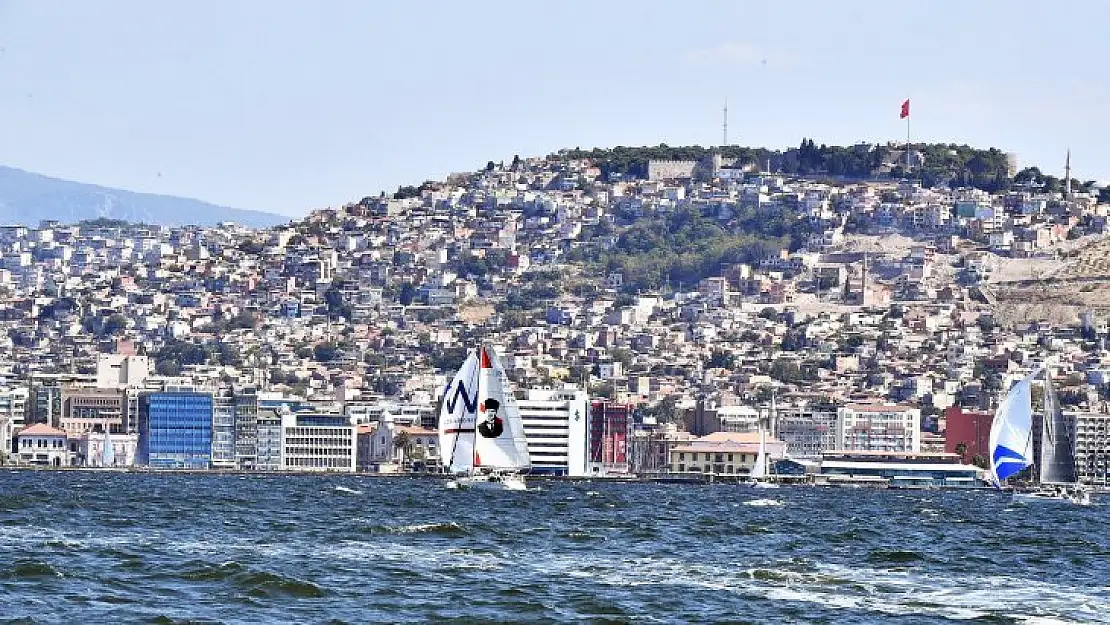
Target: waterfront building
608,438
90,449
1092,448
246,426
89,408
723,453
268,450
555,426
223,430
318,442
905,469
175,429
883,428
42,445
969,429
13,410
808,430
650,449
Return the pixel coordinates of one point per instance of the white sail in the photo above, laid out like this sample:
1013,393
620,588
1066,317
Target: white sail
1011,439
107,452
499,439
759,470
457,418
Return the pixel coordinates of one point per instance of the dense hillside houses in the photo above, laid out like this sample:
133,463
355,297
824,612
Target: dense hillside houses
641,307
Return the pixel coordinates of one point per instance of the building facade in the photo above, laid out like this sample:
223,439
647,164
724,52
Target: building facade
873,427
555,426
970,430
268,443
89,408
223,431
608,438
723,453
318,443
246,427
43,446
175,429
808,431
1092,448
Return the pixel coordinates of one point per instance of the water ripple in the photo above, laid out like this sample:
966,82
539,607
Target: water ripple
171,548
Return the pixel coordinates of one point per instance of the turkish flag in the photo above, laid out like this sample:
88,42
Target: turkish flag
905,110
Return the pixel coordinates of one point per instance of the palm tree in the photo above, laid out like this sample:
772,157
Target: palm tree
961,449
402,443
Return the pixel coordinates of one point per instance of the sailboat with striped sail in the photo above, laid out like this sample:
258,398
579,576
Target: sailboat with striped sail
1012,449
481,433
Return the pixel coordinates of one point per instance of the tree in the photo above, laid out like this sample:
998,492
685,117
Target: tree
325,352
980,461
402,446
961,449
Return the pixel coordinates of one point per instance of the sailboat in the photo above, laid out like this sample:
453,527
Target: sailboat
481,434
1011,446
107,450
760,474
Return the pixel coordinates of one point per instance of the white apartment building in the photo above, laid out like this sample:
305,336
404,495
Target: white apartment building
873,427
1092,448
555,425
318,442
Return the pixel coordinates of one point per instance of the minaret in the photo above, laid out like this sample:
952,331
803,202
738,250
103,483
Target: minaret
724,126
1067,175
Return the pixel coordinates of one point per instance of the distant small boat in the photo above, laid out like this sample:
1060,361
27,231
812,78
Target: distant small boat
760,475
107,450
1011,446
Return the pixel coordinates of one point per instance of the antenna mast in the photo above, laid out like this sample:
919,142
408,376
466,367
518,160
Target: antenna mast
724,126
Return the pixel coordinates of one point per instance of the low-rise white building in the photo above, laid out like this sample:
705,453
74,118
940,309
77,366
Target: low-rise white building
42,445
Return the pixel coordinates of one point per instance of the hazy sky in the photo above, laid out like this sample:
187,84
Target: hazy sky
288,106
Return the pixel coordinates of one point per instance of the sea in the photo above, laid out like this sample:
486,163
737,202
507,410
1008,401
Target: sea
168,548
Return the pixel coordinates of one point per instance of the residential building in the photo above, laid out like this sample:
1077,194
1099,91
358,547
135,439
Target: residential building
873,427
268,426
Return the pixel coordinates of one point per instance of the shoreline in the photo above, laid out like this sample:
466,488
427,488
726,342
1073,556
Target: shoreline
697,480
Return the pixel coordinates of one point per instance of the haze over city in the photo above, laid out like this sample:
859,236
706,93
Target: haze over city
286,106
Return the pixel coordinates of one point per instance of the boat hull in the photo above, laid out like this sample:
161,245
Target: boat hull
512,482
764,485
1080,498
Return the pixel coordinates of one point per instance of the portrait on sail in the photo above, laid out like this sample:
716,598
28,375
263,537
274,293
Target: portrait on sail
491,425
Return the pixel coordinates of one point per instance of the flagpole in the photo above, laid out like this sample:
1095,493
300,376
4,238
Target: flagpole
907,143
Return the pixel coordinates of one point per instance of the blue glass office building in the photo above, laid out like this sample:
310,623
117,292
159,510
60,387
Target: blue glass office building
175,430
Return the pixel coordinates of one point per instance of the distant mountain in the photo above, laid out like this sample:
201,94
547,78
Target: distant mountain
27,198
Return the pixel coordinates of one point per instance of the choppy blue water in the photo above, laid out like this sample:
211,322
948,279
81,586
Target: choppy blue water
173,548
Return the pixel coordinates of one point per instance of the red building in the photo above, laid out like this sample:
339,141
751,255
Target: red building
608,446
970,428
